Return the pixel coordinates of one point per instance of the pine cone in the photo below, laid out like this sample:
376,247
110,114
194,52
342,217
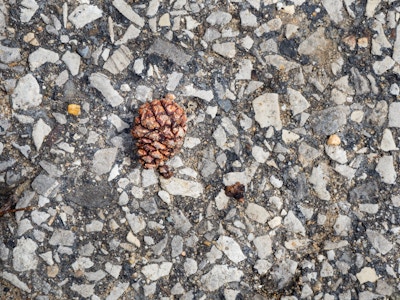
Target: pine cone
160,130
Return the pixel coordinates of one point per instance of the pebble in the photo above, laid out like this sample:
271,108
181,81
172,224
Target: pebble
330,120
190,266
126,10
24,256
102,83
118,290
15,281
137,223
394,112
336,153
379,242
103,160
385,169
257,213
388,143
326,270
113,270
342,225
245,69
231,249
118,123
262,266
247,19
383,66
44,185
27,93
28,9
219,276
334,10
73,61
396,46
289,137
267,112
130,34
263,245
221,201
176,186
62,237
219,18
94,226
85,290
170,51
9,55
227,49
181,222
39,132
156,271
293,224
84,14
119,60
367,274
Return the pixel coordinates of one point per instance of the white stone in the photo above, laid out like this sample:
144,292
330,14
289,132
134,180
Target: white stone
117,291
293,224
165,197
386,169
152,8
326,270
113,270
73,62
176,186
149,177
276,182
190,266
27,93
126,10
222,200
84,14
388,143
118,123
267,112
382,66
334,9
247,19
298,103
289,137
28,9
40,57
24,257
368,208
130,34
227,49
394,113
259,154
220,275
94,226
396,46
191,91
219,18
319,181
370,8
103,160
85,290
342,225
336,153
220,137
367,274
119,60
263,245
102,83
379,242
15,281
39,132
191,142
245,69
231,249
257,213
346,171
173,80
156,271
262,266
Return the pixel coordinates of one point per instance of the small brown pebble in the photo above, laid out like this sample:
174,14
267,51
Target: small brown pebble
333,140
52,271
74,109
235,191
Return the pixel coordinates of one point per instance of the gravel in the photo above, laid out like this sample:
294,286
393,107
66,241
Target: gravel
296,100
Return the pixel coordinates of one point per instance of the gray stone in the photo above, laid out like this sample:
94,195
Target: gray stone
281,63
190,266
156,271
334,9
388,143
118,290
44,185
386,169
180,221
267,111
94,226
84,14
262,266
15,281
336,153
342,225
382,66
85,290
177,289
245,69
73,62
319,181
158,248
27,93
170,51
394,113
38,217
130,34
39,132
40,57
330,120
62,237
103,160
220,275
361,85
126,10
257,213
396,46
28,9
247,19
119,60
176,246
9,55
297,101
293,224
315,42
113,270
23,226
137,223
263,245
149,205
173,80
118,123
231,249
24,256
102,83
227,49
394,89
379,242
181,187
219,18
326,270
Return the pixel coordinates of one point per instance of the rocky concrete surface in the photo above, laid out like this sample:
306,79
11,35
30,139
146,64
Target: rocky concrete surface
296,100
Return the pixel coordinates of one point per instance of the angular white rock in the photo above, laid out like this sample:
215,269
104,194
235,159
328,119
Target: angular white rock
263,245
245,68
382,66
8,54
370,8
119,61
293,224
102,83
24,257
130,34
379,242
181,187
126,10
336,153
191,91
220,275
28,9
394,113
227,49
298,103
367,274
15,281
39,132
257,213
387,143
259,154
156,271
231,249
386,169
267,113
318,180
103,160
84,14
73,62
222,200
27,93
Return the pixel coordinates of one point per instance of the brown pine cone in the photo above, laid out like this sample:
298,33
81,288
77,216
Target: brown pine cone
160,130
